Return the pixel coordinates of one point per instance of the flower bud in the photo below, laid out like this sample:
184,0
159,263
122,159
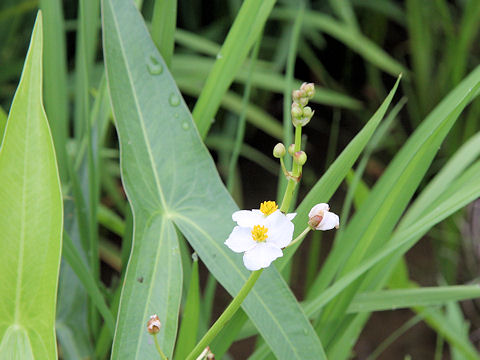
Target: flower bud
291,149
154,324
307,112
320,218
303,101
309,89
314,221
296,111
300,157
297,95
279,151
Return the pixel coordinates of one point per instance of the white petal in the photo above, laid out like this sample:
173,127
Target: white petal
317,209
329,221
280,230
291,216
247,218
240,239
261,256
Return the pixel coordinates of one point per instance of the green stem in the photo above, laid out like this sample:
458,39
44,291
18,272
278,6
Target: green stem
300,237
157,345
296,171
226,316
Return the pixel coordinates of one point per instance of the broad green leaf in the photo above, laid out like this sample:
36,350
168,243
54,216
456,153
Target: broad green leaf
30,220
243,33
171,179
405,298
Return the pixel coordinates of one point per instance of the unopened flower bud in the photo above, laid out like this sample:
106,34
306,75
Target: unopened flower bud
291,149
320,218
300,157
154,324
297,95
279,151
309,89
296,111
307,112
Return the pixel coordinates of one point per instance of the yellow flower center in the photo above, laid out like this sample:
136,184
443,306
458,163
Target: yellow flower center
268,207
259,233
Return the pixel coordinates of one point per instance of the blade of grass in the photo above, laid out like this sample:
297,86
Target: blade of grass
84,274
187,335
242,119
252,16
263,78
354,40
163,27
287,97
55,82
406,298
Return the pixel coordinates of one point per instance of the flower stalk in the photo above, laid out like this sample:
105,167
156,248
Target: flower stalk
159,349
226,316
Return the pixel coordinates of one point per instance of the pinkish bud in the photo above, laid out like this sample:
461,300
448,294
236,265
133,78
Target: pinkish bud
300,157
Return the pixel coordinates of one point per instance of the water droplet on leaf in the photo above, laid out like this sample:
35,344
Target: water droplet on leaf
153,65
174,100
185,125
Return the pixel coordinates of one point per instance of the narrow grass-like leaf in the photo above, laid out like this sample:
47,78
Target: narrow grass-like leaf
231,101
174,181
196,42
405,298
351,38
220,143
164,21
55,78
245,30
421,49
30,220
81,270
187,335
199,67
392,193
3,123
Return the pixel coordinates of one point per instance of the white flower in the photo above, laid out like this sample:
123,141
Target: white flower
260,234
322,219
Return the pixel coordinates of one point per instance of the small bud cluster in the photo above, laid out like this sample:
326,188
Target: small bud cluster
302,114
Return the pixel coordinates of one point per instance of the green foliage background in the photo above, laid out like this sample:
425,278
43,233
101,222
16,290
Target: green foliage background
140,95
